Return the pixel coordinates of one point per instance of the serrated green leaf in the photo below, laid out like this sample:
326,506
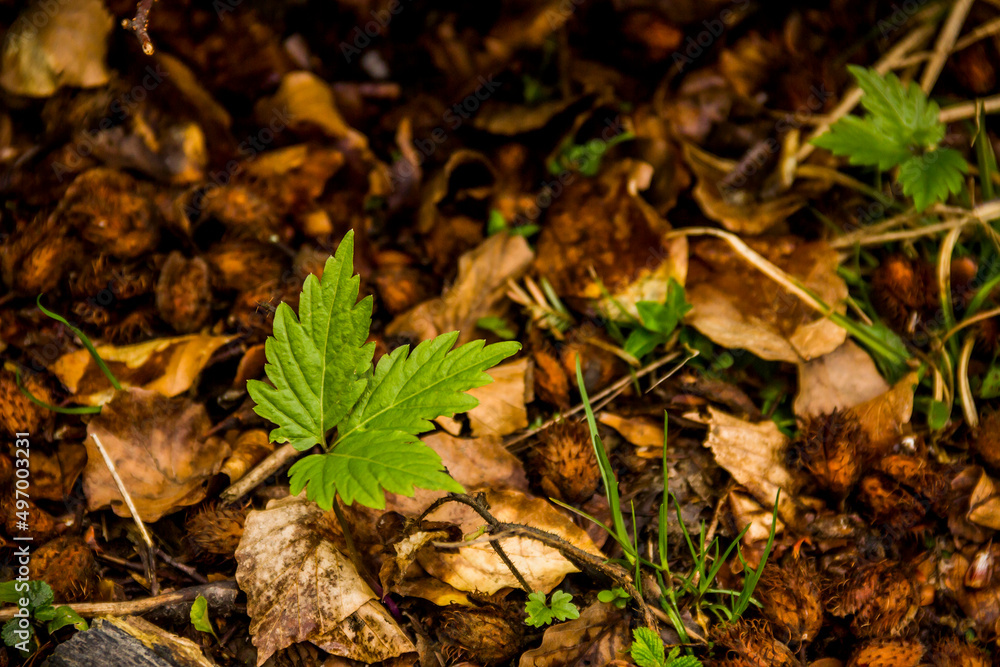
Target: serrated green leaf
864,143
905,107
37,593
317,361
647,648
542,613
931,177
63,616
8,633
362,466
408,390
199,616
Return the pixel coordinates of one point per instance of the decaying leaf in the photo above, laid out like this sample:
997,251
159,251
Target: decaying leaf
157,446
50,46
481,285
882,418
739,307
598,637
300,588
54,474
168,366
984,503
836,381
754,454
305,100
501,410
639,431
478,568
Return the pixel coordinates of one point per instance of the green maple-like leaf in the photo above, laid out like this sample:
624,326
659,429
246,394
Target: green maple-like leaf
317,361
542,613
933,176
904,111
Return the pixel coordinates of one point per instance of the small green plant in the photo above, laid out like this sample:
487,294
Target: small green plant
322,379
496,223
541,612
584,158
657,321
648,651
34,601
901,129
200,618
616,596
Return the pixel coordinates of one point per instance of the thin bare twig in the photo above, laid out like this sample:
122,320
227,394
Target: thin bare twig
946,40
125,494
140,24
261,471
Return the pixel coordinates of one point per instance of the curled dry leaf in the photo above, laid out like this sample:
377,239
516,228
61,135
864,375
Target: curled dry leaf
477,292
301,588
639,431
838,380
168,366
754,454
157,446
738,307
478,568
47,49
882,418
598,637
984,503
501,410
306,101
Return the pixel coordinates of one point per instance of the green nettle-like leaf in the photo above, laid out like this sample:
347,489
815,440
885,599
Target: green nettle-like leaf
647,648
317,361
931,177
323,379
542,613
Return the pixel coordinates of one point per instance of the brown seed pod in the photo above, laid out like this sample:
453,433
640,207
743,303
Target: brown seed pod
67,565
109,209
103,281
245,214
486,635
901,289
215,532
753,644
135,326
36,257
953,652
888,504
241,264
790,596
880,596
183,293
830,450
986,443
17,412
551,383
921,477
566,463
888,653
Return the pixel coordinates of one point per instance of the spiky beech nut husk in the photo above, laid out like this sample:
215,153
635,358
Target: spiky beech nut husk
111,211
880,596
889,504
137,325
565,462
923,479
183,293
752,643
67,565
830,446
902,288
35,258
487,635
103,281
791,599
245,214
214,532
17,412
242,263
954,652
986,443
888,653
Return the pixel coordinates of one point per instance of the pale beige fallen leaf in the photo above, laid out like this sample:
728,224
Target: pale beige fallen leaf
598,637
501,410
639,431
301,588
305,100
882,418
54,45
984,503
165,365
432,590
479,568
747,511
158,448
480,287
737,306
394,569
54,474
836,381
754,454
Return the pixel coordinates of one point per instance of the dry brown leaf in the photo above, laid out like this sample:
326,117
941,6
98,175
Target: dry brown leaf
301,588
837,381
306,101
478,568
47,49
481,285
598,637
53,475
165,365
157,446
754,454
738,307
639,431
984,503
250,448
501,410
882,418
